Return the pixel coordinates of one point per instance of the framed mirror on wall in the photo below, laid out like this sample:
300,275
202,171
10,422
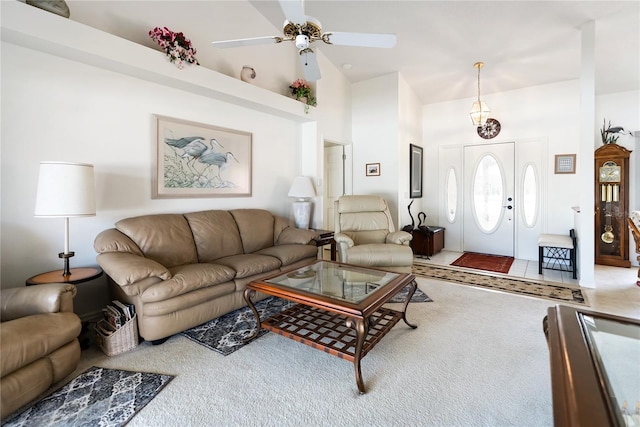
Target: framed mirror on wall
415,171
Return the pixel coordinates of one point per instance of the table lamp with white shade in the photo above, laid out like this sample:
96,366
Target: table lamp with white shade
302,188
65,190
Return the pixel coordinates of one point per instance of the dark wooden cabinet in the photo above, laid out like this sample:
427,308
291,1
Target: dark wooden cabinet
611,205
427,241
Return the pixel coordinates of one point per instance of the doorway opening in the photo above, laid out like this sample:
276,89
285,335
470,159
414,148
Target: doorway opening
338,178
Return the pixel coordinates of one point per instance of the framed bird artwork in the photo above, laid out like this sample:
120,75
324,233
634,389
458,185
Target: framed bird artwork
199,160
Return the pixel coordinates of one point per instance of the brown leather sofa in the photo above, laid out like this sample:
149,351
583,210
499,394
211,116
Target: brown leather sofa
38,341
182,270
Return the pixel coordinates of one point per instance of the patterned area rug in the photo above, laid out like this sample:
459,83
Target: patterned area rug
526,287
496,263
226,333
97,397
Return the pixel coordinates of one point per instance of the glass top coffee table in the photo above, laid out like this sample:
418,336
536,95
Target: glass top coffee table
340,307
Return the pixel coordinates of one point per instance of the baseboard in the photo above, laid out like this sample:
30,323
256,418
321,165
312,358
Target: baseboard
93,316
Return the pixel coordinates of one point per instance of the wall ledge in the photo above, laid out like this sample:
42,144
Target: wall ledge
36,29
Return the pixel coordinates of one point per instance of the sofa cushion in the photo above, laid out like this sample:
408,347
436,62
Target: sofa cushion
367,237
30,338
165,238
187,278
215,233
288,254
380,255
250,264
256,228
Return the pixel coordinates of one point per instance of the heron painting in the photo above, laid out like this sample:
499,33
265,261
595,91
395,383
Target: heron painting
199,160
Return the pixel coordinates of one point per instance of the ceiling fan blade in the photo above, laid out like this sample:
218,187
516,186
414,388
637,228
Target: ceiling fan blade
247,42
309,64
360,39
294,11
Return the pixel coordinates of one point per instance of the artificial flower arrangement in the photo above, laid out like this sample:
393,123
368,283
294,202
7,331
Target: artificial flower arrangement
301,89
177,47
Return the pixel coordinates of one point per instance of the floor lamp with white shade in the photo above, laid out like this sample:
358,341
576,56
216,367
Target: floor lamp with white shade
302,188
65,190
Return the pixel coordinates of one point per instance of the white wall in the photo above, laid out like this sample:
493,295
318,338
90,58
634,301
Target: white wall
409,132
549,112
387,117
57,109
546,112
375,116
72,112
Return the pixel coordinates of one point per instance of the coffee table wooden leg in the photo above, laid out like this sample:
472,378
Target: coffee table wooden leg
362,329
413,286
248,294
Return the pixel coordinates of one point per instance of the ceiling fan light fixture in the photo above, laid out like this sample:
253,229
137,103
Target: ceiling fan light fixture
302,41
479,111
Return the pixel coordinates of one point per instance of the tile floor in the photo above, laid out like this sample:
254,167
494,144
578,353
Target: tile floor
615,292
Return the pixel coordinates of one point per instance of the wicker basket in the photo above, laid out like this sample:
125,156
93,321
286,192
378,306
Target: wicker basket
123,339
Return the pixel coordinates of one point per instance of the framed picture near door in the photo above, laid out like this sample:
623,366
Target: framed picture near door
415,171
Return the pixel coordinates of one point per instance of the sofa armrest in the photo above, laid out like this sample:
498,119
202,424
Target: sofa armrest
343,243
293,236
126,268
112,240
399,238
39,299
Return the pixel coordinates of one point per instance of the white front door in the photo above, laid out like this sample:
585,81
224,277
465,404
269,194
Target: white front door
489,205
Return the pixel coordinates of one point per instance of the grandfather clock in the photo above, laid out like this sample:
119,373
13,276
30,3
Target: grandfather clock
612,205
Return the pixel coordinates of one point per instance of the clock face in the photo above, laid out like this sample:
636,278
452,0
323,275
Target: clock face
609,173
490,130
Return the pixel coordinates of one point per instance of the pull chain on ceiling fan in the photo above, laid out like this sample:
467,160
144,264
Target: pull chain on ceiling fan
303,30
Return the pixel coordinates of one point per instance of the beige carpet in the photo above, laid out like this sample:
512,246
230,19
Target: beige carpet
478,358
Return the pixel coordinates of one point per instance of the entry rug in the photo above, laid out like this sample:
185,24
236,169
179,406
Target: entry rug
526,287
98,397
226,333
496,263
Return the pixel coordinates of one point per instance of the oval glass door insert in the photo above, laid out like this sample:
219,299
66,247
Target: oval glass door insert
488,193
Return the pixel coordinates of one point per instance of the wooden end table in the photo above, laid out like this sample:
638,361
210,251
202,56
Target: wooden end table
340,307
326,237
78,275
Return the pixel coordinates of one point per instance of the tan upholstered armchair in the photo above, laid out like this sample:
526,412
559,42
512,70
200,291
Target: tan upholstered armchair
365,235
38,341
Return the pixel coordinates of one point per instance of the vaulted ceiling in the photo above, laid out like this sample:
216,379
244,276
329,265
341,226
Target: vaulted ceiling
522,43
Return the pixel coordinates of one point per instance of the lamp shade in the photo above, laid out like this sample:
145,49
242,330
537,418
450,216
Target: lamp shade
65,190
302,188
479,113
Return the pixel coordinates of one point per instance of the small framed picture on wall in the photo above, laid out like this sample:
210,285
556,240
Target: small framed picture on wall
565,163
373,169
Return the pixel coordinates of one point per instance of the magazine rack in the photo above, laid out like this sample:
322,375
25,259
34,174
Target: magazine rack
123,339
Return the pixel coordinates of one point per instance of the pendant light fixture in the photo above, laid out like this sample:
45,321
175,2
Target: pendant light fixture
479,110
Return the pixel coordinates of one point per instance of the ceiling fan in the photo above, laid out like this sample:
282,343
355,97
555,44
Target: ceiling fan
303,30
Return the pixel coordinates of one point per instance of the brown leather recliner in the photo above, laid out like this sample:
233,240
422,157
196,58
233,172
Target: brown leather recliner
38,341
366,236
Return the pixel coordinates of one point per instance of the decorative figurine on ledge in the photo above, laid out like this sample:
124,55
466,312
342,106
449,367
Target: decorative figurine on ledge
59,7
